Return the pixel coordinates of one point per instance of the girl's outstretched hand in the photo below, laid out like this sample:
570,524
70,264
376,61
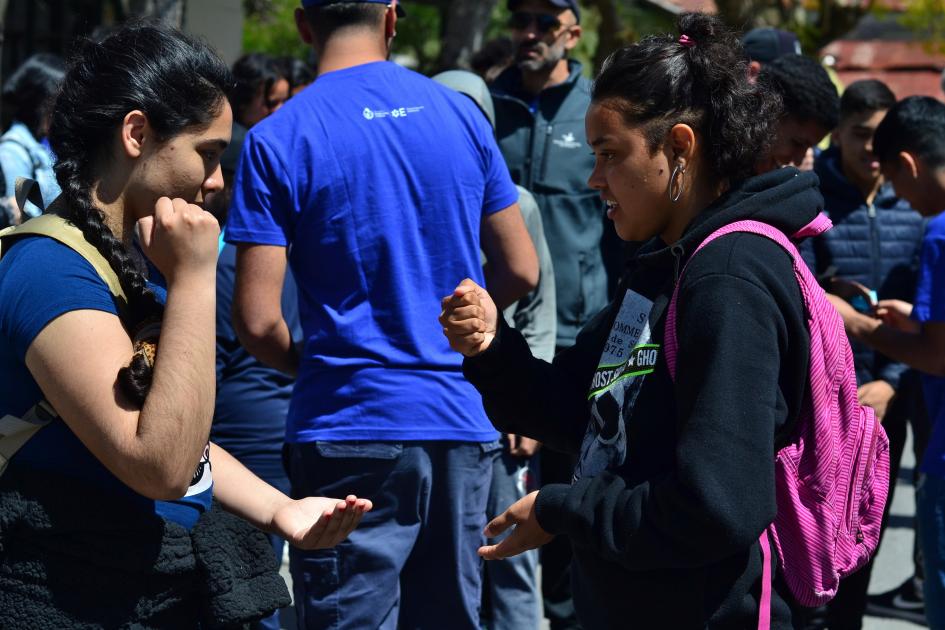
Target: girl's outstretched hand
469,318
318,522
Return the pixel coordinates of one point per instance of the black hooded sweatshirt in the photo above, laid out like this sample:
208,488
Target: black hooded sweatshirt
675,482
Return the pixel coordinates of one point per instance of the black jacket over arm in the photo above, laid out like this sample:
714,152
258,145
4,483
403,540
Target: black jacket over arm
668,536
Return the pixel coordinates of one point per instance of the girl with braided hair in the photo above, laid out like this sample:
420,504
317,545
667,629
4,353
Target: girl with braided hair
138,129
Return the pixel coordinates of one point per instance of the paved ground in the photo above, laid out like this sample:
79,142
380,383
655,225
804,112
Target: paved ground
893,565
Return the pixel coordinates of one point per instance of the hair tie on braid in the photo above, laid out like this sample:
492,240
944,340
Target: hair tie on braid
146,340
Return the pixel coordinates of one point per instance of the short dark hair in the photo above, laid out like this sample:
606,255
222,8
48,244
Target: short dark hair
805,88
31,90
328,19
868,95
296,71
252,72
660,81
915,124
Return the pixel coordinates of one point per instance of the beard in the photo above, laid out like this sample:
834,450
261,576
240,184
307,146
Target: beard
547,56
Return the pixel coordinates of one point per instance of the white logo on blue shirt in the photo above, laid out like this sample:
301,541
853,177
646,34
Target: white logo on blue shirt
396,112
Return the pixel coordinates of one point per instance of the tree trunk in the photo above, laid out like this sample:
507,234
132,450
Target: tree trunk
171,11
464,28
610,32
738,14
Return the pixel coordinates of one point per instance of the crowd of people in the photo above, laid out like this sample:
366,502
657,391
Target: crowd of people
436,332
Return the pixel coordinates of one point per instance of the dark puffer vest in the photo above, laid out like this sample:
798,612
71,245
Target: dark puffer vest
875,244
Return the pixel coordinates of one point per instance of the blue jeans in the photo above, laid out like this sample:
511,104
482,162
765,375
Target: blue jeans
512,595
412,562
930,517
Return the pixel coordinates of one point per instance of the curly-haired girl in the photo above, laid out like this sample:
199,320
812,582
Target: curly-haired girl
675,481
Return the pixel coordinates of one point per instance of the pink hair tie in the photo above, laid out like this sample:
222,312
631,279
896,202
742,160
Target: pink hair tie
686,41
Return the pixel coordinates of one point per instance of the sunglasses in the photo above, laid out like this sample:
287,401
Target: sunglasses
544,23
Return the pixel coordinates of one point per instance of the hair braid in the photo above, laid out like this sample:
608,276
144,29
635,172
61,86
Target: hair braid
134,379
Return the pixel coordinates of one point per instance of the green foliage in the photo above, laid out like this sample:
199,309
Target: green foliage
926,18
418,36
269,27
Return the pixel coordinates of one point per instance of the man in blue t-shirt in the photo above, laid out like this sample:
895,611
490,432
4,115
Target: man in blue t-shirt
910,145
375,184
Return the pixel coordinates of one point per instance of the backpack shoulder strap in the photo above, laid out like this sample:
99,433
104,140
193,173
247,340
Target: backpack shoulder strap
15,432
55,227
818,226
26,189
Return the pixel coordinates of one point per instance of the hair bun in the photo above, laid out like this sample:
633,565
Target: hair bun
701,28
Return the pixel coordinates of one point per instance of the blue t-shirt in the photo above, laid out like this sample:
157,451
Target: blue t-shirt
930,307
377,179
252,399
41,279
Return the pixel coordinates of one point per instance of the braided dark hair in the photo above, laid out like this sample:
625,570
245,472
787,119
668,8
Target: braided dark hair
700,80
180,84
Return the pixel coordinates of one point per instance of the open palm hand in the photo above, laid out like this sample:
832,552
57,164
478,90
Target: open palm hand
319,522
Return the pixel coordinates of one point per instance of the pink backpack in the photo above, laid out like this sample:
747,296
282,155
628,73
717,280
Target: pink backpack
833,478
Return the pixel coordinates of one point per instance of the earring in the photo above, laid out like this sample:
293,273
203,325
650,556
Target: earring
677,170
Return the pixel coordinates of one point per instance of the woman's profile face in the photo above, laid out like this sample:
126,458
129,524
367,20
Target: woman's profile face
631,180
186,166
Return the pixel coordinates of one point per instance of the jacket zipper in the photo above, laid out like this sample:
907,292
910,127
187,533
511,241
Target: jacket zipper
678,252
549,131
528,177
874,245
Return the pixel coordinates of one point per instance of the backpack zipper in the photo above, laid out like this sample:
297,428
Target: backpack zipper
866,437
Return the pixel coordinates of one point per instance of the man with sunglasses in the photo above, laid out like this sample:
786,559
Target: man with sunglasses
540,102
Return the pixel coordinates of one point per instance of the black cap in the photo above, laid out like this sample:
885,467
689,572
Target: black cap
319,3
767,44
564,4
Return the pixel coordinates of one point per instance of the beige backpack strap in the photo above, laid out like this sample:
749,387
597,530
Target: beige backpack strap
54,226
28,190
15,432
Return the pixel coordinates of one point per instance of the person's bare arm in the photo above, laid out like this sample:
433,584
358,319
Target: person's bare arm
75,360
257,306
923,350
511,268
309,523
